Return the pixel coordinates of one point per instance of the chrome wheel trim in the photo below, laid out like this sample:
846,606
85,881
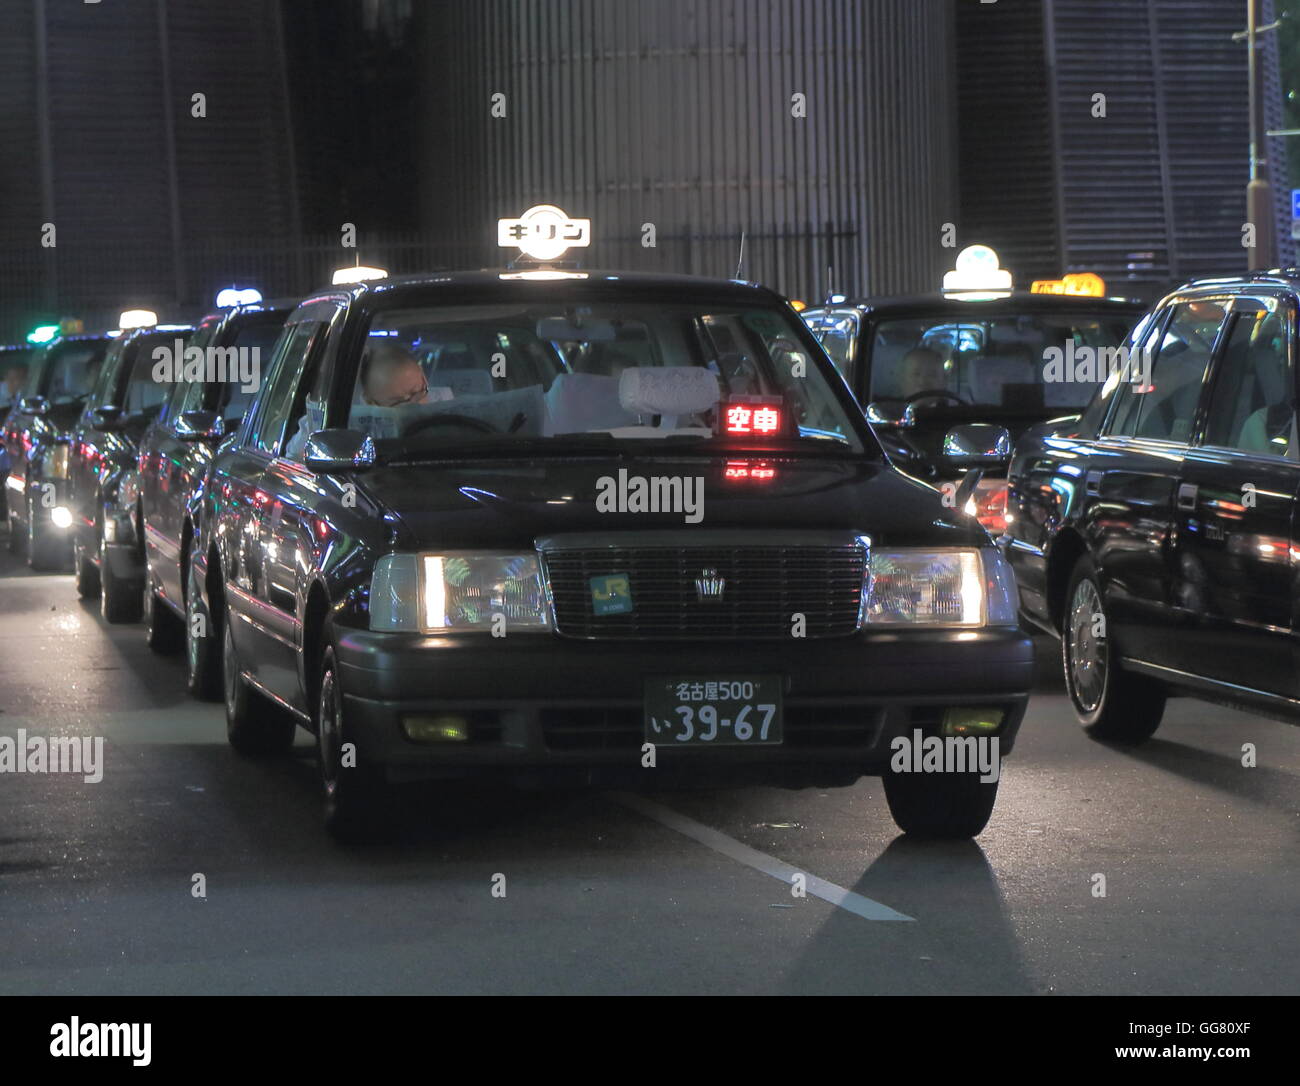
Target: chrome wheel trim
328,738
1087,652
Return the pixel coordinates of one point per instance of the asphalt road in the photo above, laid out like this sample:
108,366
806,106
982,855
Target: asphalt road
605,894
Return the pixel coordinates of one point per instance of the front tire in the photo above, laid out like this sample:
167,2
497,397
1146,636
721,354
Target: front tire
87,576
1110,702
943,806
119,600
358,800
43,555
254,726
203,648
163,630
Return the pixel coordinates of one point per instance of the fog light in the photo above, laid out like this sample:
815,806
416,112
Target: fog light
981,720
436,729
61,517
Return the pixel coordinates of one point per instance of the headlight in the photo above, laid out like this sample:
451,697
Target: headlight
56,462
450,593
940,588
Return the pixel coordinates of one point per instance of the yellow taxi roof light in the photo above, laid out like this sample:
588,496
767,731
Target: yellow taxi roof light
358,273
1076,284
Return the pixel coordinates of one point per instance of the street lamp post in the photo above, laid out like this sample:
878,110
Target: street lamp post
1259,192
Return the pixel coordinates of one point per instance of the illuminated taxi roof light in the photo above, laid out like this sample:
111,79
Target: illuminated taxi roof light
977,269
798,306
1076,284
44,334
137,318
233,296
358,273
543,275
71,326
544,232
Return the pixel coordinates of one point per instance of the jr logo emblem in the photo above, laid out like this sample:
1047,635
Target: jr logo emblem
611,594
709,586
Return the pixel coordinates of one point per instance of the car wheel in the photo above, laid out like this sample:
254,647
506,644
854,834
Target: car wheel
202,648
1109,701
86,574
16,533
119,600
42,554
254,726
163,629
358,801
940,805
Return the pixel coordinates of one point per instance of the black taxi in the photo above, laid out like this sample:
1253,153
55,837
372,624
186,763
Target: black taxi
134,383
37,432
1156,532
157,503
580,527
923,365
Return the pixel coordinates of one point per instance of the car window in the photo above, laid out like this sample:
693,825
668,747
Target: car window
142,392
838,335
1253,406
1025,362
1163,408
254,346
273,409
71,371
626,370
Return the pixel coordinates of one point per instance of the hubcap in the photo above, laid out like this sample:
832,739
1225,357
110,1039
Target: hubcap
228,670
1087,651
328,739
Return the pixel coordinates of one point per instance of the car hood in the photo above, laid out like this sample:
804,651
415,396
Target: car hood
511,503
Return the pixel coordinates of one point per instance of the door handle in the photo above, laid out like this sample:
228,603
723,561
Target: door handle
1187,497
1092,483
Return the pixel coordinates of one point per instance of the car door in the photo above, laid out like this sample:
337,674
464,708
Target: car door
1233,563
88,442
263,593
1130,480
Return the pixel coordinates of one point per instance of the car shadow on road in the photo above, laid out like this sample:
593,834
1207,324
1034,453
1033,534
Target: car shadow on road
961,940
1259,784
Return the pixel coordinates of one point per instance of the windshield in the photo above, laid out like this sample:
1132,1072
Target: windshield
743,376
70,371
1004,363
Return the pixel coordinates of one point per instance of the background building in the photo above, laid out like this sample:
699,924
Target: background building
839,137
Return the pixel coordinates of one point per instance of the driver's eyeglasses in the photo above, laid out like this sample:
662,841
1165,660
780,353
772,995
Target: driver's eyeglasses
413,396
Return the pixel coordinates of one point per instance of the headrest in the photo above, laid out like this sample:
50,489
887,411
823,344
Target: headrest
667,390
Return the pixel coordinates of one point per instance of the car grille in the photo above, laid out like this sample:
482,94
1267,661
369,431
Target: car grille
765,587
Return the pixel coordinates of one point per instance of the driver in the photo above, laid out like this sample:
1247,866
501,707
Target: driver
921,371
393,378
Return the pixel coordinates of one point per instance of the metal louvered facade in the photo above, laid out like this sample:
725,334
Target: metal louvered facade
100,140
1151,193
679,114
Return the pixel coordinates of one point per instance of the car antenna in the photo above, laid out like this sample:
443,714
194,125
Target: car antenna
740,259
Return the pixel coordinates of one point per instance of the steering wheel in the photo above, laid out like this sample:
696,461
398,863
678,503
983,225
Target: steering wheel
935,394
468,421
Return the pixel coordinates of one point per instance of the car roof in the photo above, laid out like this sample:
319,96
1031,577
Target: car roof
509,282
273,305
1013,302
1283,277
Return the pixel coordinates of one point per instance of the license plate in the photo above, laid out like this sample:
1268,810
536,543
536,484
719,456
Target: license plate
717,712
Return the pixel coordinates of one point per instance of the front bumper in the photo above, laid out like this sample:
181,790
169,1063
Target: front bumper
543,706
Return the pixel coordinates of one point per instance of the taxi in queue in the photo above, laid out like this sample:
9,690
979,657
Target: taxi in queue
551,525
954,368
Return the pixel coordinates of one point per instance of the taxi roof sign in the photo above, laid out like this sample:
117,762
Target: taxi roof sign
137,318
1076,284
977,272
358,273
544,232
229,297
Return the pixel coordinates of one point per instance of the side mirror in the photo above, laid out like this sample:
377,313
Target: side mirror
199,426
105,417
977,445
893,416
34,405
334,452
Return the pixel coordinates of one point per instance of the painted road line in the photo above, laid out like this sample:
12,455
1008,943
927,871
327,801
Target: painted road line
759,861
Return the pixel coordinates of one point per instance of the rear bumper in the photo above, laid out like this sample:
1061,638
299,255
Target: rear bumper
537,705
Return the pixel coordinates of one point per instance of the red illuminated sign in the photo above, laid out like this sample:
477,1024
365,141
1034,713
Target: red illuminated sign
753,417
